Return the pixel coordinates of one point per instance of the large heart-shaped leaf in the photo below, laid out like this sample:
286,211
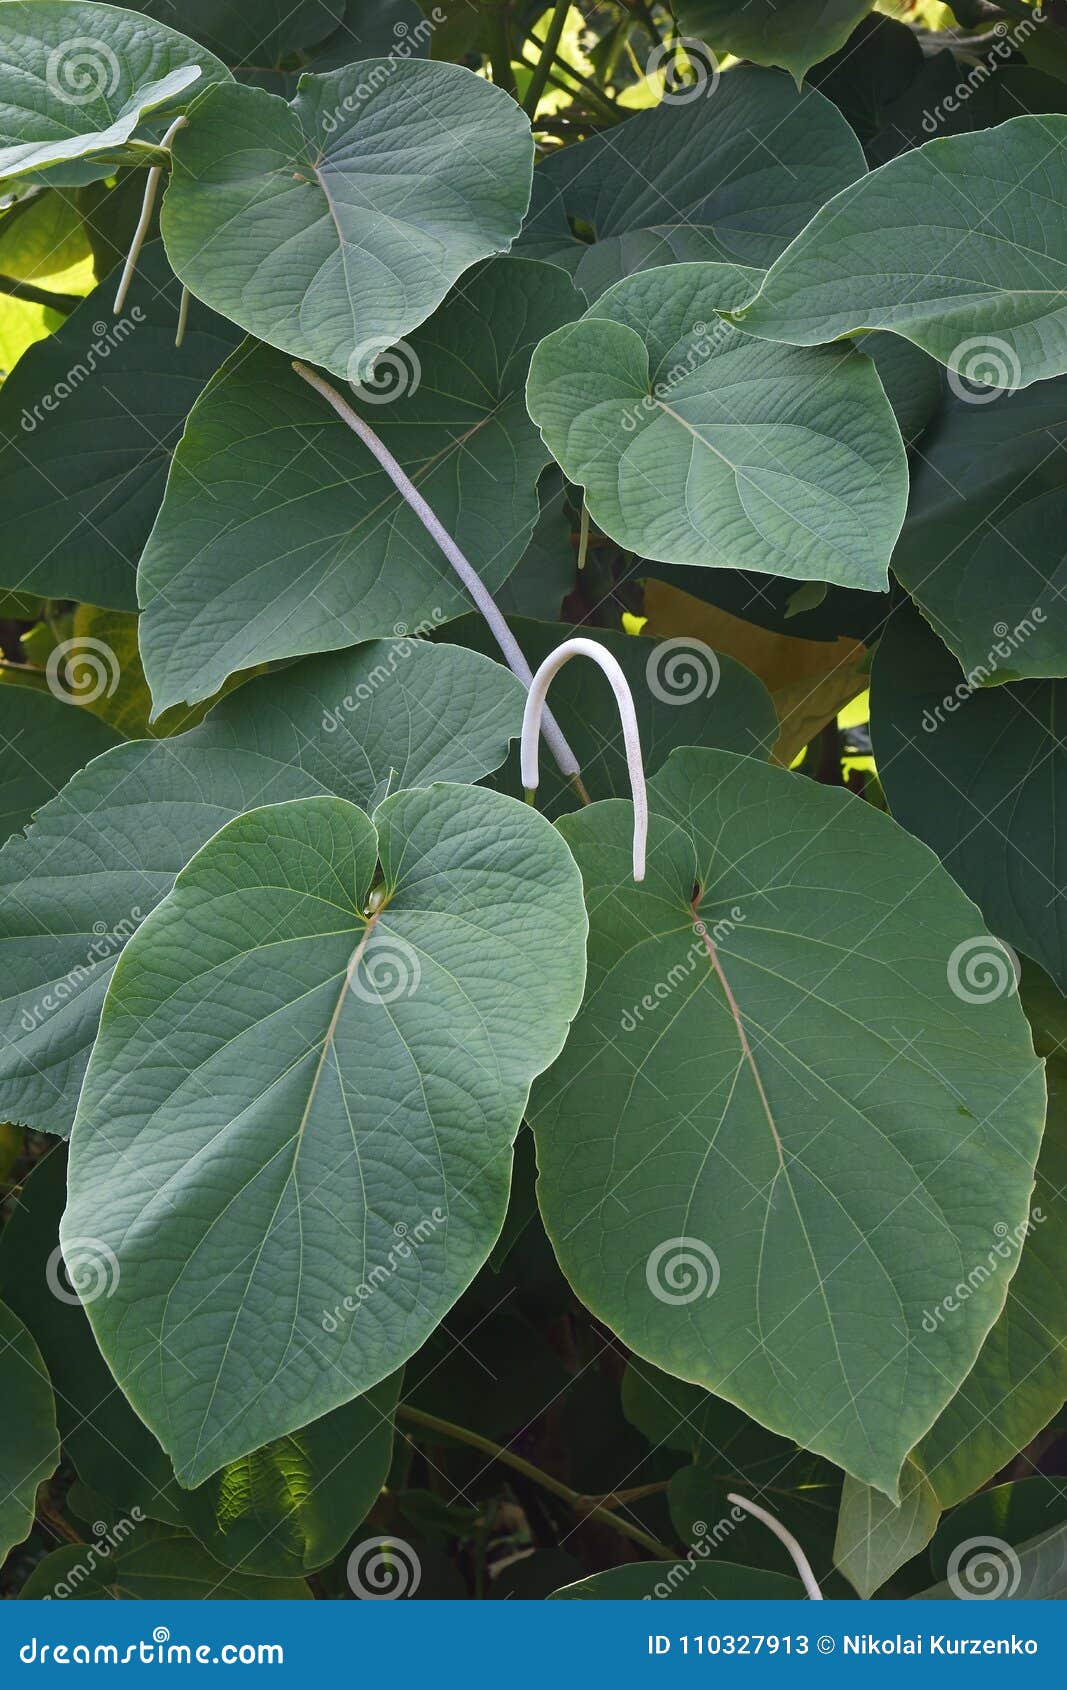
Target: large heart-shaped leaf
88,419
282,1511
79,81
794,34
302,542
45,741
731,174
748,1169
1019,1381
29,1449
979,282
326,1117
253,32
982,777
701,445
103,853
333,226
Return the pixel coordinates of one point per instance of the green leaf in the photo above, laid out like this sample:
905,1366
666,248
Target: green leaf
252,32
985,454
150,1563
913,248
877,64
280,534
41,235
347,215
81,79
875,1537
1012,1512
822,1179
104,852
282,1511
88,419
700,445
303,1125
981,777
684,694
732,176
46,741
992,1570
794,34
29,1448
681,1581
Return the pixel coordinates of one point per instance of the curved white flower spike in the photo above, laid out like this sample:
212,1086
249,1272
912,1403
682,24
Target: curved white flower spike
531,726
800,1560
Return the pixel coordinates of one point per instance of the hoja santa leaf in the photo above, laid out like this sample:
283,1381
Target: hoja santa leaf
154,1563
46,740
103,853
959,245
252,32
1034,1572
29,1449
88,419
777,1135
794,34
697,444
1019,1381
335,225
79,81
981,775
731,175
652,1581
289,1083
280,534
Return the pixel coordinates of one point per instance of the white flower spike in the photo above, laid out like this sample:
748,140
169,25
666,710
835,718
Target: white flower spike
531,726
800,1560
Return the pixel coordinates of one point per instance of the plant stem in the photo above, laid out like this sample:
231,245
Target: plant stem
561,68
462,1435
53,1518
549,45
499,28
64,302
505,639
143,222
583,536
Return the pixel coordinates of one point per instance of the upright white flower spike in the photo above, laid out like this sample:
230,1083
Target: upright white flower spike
800,1560
531,727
